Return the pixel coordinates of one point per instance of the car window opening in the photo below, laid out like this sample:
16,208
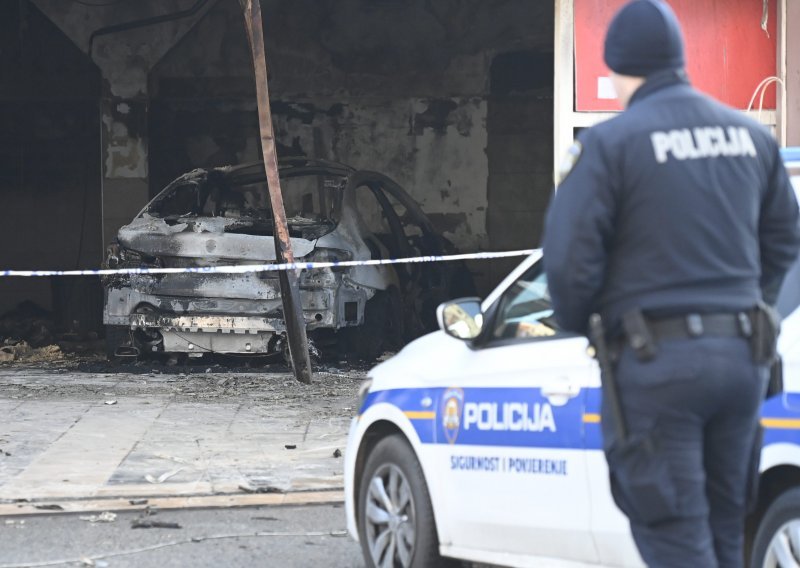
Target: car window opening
312,204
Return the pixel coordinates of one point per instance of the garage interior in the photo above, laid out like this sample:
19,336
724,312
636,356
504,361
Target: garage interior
451,98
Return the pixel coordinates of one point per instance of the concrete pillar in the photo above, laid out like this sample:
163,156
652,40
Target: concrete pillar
123,147
125,60
564,81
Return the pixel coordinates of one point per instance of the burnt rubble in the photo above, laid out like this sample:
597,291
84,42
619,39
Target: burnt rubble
27,323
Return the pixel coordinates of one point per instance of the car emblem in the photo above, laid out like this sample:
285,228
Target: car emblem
452,407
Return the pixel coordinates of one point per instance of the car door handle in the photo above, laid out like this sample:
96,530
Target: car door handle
560,392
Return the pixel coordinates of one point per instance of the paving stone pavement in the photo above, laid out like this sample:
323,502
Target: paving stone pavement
67,435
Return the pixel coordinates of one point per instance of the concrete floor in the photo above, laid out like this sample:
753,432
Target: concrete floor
70,436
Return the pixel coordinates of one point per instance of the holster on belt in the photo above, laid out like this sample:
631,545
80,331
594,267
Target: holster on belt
638,335
766,327
764,345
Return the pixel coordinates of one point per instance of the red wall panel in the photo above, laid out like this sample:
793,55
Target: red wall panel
727,52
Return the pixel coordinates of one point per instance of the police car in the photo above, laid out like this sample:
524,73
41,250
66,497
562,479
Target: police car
490,450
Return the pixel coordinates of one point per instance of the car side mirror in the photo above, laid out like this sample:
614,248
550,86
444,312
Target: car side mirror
461,318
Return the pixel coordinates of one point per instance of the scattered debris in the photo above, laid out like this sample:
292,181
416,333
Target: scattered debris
29,334
138,501
28,322
44,354
176,460
111,402
163,477
105,517
51,507
337,453
261,489
16,350
13,522
145,522
290,446
22,351
150,524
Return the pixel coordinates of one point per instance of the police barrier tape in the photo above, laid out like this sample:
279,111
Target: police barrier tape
244,268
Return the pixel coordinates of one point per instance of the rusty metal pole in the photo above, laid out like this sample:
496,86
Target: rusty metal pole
290,292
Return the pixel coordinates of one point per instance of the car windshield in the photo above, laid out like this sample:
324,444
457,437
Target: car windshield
312,202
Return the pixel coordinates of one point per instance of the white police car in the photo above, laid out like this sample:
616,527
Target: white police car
492,452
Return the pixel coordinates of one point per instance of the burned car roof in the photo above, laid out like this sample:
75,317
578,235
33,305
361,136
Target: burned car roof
254,171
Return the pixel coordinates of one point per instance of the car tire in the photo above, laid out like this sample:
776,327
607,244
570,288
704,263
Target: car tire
116,336
394,509
772,538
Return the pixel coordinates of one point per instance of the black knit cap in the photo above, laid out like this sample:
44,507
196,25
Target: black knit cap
644,37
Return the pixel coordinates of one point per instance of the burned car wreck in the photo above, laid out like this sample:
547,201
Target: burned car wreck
222,216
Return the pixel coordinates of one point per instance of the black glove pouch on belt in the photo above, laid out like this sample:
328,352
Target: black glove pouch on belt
641,483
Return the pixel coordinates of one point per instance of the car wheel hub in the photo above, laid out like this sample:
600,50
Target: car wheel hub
784,548
390,518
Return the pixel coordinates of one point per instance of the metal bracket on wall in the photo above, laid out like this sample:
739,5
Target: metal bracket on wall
145,22
290,292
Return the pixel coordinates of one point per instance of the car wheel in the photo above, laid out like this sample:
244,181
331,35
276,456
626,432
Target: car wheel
396,526
777,542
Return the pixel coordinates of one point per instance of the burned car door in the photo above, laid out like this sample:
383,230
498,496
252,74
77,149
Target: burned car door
423,285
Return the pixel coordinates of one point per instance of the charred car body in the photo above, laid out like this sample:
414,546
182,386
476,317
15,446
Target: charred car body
221,216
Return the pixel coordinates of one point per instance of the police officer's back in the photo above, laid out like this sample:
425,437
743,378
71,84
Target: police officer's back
676,219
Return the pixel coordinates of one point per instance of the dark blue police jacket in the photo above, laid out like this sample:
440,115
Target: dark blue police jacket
679,204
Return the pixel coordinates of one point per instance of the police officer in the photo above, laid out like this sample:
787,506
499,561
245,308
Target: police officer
673,220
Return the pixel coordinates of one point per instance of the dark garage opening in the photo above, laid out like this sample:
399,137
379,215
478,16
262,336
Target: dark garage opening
49,169
520,150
